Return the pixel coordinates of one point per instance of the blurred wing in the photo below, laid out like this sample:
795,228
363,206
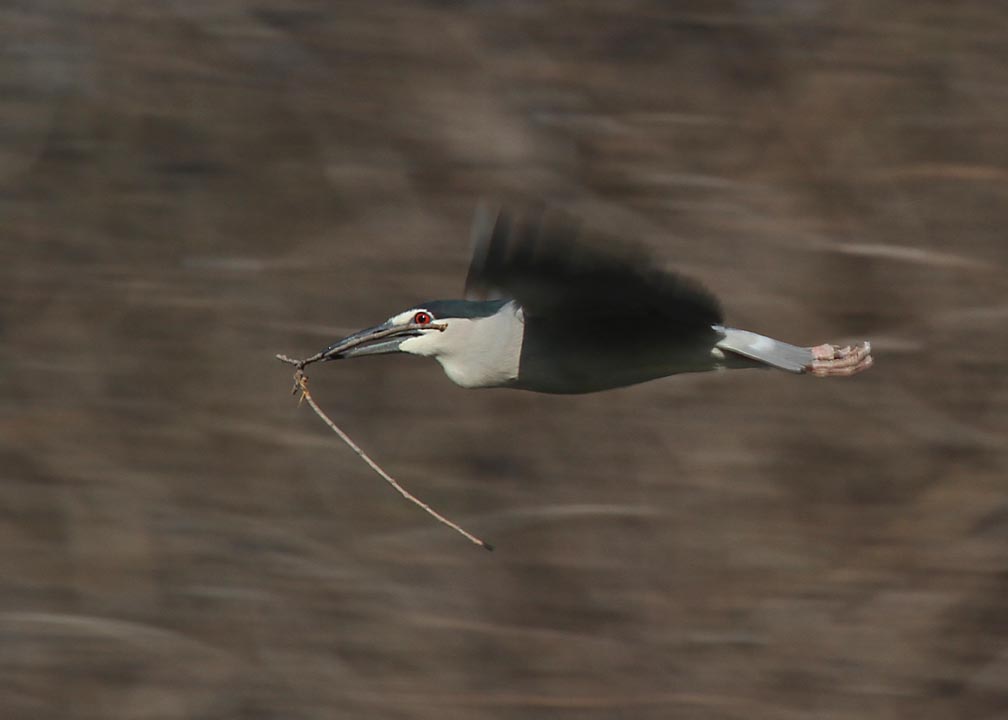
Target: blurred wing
557,271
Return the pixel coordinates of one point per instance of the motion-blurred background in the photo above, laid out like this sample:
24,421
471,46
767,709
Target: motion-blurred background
187,188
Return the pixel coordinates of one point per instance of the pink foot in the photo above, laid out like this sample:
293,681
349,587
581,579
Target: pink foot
832,360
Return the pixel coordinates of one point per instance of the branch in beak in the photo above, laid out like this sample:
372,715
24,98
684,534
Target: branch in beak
362,338
368,337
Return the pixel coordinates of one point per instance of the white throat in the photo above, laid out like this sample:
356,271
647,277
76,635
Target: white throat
476,352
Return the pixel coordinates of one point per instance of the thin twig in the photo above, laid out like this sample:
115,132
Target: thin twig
301,383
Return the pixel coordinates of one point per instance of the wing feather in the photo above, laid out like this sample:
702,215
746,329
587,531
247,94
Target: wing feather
559,271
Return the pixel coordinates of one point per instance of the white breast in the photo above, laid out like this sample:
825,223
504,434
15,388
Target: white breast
478,352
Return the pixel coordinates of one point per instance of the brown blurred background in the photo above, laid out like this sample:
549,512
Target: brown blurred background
188,188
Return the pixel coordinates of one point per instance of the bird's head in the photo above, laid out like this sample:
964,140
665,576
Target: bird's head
432,329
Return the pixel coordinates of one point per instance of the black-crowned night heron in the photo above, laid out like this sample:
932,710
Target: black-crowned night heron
577,314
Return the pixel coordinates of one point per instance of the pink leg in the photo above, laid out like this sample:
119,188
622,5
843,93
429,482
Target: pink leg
833,360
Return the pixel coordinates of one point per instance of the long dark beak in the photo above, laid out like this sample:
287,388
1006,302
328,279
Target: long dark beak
377,340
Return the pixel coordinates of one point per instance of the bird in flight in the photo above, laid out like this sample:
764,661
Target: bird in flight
550,308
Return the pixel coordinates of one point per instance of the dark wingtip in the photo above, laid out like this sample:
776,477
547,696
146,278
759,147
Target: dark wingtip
487,546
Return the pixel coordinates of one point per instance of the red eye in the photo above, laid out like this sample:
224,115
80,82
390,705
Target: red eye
421,318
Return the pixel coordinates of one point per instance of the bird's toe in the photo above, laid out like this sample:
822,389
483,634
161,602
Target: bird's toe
834,360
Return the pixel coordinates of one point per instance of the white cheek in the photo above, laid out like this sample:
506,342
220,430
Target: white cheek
419,345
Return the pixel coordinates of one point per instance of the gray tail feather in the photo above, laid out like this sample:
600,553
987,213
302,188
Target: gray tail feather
766,350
